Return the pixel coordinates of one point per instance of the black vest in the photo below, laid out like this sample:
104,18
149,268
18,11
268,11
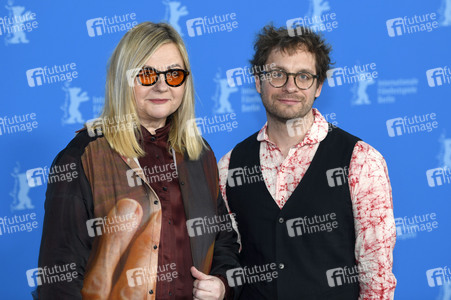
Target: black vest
310,242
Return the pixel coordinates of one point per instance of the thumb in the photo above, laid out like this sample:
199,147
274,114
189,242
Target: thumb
198,274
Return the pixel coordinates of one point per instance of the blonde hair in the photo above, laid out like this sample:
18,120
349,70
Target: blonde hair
130,55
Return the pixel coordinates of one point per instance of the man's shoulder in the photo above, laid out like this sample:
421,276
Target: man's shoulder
247,141
337,132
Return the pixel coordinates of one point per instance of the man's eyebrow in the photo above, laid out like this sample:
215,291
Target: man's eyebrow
301,70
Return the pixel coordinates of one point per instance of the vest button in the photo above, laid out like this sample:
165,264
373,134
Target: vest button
281,220
151,292
155,246
281,266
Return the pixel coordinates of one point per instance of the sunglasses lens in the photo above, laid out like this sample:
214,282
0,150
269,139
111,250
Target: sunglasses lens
147,76
175,77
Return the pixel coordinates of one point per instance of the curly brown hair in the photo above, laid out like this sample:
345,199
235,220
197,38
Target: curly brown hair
271,38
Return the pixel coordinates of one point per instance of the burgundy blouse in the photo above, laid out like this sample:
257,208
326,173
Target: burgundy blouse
175,252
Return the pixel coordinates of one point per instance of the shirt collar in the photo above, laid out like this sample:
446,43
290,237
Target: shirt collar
160,133
316,133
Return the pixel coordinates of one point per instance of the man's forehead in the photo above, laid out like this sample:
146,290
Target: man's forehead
285,57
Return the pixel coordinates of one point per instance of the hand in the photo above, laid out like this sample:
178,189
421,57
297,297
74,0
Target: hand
207,287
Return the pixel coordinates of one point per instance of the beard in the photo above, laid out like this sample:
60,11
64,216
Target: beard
283,113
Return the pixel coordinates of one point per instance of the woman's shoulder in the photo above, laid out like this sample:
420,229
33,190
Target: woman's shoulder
77,146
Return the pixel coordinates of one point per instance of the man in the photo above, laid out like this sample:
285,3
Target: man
313,203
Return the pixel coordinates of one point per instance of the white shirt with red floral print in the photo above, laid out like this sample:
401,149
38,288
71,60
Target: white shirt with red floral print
371,197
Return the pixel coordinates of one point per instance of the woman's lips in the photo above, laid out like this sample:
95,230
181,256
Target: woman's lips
158,101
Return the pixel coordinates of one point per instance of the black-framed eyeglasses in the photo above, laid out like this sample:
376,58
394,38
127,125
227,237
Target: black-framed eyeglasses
173,77
278,78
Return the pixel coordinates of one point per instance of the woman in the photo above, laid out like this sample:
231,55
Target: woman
128,226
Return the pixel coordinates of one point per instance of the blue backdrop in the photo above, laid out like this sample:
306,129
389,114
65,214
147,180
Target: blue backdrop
390,86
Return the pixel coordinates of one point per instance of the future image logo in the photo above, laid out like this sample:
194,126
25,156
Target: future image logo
438,276
143,275
337,176
18,24
246,175
250,275
18,123
411,125
311,225
348,275
350,75
303,25
412,225
108,25
53,274
209,225
409,25
438,176
133,178
210,25
49,75
113,224
217,123
438,76
57,173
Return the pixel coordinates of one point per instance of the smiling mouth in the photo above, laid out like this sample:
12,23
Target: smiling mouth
289,101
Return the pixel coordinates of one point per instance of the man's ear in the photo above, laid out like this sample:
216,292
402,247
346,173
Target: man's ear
258,84
318,89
